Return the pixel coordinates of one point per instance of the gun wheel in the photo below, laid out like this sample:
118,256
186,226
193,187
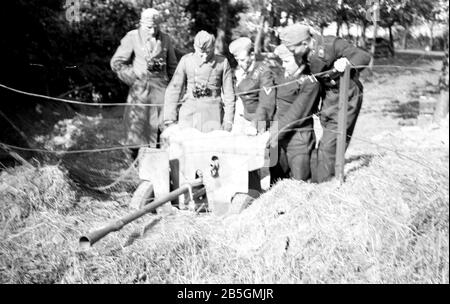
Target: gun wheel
143,195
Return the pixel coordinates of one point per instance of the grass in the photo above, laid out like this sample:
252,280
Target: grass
387,224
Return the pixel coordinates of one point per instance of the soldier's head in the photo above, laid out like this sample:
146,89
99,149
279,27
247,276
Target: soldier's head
241,49
204,45
150,20
287,58
297,38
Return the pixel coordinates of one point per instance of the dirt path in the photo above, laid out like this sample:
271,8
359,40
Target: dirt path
395,98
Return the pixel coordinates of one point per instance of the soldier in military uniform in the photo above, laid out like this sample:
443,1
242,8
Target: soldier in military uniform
205,76
145,61
295,103
323,53
254,87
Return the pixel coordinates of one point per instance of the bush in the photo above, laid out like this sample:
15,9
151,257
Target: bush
49,55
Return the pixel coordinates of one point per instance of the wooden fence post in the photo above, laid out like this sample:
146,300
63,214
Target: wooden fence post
342,124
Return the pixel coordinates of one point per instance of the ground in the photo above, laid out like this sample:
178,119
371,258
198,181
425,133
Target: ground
388,223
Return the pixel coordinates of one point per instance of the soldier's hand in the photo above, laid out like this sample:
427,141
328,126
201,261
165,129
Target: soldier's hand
341,63
251,131
170,128
273,138
227,126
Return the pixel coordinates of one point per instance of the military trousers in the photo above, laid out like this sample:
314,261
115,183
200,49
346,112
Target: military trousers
204,114
142,123
294,156
324,157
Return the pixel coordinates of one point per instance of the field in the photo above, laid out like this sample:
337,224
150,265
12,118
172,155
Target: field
388,223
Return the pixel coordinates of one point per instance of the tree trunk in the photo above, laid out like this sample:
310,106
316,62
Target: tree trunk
223,19
391,40
338,28
272,24
259,40
221,45
431,36
363,34
347,24
405,38
441,109
374,42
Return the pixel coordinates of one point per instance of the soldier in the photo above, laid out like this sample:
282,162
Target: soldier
254,82
145,61
205,76
295,104
322,54
251,75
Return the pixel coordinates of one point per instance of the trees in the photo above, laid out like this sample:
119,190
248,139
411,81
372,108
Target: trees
46,53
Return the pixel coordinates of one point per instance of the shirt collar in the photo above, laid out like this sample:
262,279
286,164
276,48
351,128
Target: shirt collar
211,61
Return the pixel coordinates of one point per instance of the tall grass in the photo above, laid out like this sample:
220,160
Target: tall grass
388,223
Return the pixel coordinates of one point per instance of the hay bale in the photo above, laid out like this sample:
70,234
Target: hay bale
34,189
363,231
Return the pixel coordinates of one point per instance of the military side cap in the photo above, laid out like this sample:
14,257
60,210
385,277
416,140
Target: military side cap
282,52
204,40
239,45
294,34
150,17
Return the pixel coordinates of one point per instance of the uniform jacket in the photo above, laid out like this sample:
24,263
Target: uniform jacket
216,74
295,102
258,105
129,61
330,48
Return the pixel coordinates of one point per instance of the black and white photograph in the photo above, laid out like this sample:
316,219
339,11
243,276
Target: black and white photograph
215,143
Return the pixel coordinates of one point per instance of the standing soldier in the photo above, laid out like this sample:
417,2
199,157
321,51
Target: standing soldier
296,101
254,86
205,76
145,61
322,54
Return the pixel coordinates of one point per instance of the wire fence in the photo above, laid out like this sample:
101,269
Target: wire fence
266,89
287,128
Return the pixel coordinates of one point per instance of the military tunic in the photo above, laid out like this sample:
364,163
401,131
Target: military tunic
203,113
258,105
254,88
295,102
322,58
146,87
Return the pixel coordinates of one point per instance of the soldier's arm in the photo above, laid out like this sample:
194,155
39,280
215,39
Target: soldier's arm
301,108
229,98
266,103
174,90
355,55
120,62
171,59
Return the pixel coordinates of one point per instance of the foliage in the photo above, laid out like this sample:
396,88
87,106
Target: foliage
48,54
206,15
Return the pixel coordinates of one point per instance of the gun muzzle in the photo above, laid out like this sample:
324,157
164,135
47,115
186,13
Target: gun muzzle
91,238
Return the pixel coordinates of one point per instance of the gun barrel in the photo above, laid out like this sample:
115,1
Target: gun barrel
91,238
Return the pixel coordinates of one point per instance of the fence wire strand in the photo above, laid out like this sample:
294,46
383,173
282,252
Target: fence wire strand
287,128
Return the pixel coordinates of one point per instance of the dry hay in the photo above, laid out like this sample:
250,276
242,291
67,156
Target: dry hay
380,226
42,219
30,200
26,189
387,224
